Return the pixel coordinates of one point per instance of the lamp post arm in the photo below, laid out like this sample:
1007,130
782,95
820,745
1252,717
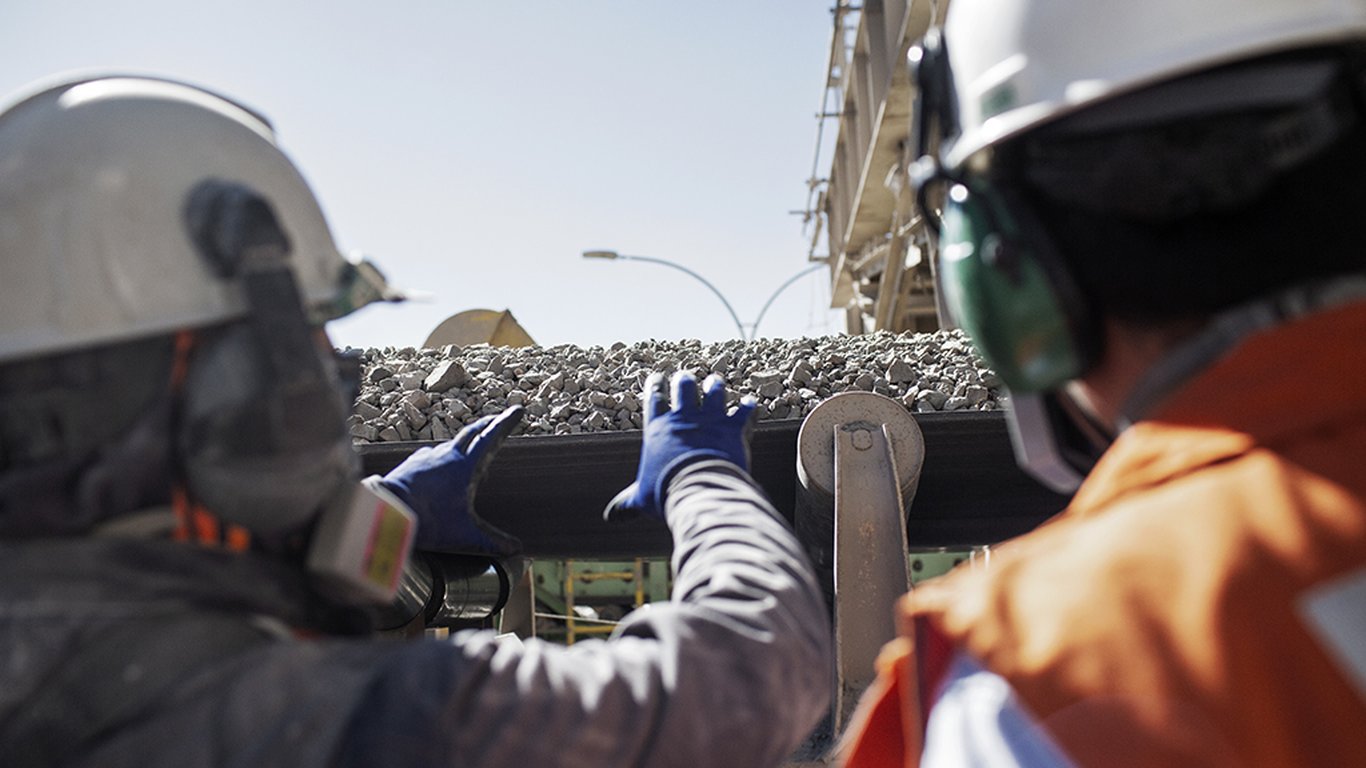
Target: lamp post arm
754,329
699,279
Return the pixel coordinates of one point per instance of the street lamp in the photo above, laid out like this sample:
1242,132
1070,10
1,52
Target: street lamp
754,327
614,256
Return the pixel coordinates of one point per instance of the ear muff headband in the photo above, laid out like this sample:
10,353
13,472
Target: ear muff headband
1007,288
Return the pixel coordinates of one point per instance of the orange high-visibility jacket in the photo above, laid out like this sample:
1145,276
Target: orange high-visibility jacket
1202,601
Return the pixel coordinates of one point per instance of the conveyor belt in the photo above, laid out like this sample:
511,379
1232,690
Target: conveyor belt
549,491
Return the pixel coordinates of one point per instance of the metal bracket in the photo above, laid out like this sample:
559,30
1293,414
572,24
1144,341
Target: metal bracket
861,454
870,556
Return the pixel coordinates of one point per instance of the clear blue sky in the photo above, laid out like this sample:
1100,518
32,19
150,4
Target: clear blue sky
474,149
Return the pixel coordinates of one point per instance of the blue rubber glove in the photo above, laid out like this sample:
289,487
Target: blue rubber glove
678,436
438,485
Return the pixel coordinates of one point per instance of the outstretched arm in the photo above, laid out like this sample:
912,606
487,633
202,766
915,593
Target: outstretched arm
734,671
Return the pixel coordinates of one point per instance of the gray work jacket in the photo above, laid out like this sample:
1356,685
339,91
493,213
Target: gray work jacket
734,671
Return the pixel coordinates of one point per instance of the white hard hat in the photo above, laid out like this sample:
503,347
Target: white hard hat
1018,63
94,179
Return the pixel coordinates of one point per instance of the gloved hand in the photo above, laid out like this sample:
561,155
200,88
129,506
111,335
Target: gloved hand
678,436
438,485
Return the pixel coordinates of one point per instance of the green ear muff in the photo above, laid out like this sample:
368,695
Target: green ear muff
1020,311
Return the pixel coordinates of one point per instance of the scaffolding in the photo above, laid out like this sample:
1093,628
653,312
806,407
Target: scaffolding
861,212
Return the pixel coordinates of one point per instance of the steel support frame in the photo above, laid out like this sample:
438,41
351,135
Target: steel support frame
550,491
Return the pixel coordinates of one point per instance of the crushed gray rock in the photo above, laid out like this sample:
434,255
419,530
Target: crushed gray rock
445,375
429,394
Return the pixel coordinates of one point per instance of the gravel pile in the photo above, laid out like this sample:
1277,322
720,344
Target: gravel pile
429,394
